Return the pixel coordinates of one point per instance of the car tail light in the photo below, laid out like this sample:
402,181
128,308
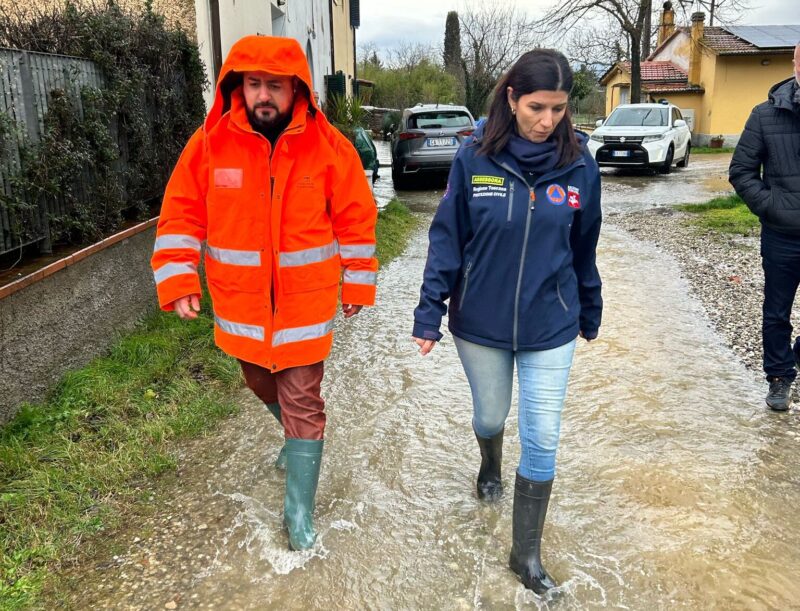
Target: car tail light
466,132
410,135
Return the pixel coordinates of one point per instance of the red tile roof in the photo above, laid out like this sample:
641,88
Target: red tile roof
671,88
660,71
723,42
660,76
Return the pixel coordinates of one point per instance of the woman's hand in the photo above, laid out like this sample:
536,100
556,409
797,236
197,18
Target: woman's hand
589,339
425,345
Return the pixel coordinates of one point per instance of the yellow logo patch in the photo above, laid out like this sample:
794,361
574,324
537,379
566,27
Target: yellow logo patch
488,180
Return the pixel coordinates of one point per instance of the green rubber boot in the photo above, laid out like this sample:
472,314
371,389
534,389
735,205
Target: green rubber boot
303,460
275,408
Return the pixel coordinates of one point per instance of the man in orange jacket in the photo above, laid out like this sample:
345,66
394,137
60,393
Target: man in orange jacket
280,199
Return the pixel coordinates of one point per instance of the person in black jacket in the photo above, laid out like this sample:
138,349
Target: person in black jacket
765,171
512,248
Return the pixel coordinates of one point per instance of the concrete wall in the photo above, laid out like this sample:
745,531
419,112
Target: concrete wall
619,81
740,83
677,51
684,101
236,19
309,23
72,315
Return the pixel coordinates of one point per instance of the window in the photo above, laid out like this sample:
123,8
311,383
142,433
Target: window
675,116
439,120
639,117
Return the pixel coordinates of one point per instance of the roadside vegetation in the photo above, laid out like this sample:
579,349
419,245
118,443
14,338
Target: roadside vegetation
707,150
395,224
728,215
73,465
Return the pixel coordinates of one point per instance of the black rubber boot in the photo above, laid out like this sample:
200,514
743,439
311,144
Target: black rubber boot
490,486
530,508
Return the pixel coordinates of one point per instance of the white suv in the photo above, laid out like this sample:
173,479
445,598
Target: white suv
644,135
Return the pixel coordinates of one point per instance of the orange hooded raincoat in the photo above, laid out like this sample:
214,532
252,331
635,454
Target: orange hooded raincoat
279,226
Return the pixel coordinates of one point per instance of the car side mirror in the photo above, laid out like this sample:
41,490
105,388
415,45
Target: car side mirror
598,123
679,123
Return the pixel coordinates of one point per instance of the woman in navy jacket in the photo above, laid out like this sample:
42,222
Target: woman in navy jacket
512,246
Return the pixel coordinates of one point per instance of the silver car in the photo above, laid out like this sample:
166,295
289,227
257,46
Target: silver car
427,140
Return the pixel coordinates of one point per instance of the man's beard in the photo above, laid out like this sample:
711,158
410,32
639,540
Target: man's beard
263,123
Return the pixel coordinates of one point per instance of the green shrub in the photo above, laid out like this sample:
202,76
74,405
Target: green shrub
112,163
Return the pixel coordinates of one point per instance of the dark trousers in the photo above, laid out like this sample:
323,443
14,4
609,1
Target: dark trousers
297,391
780,258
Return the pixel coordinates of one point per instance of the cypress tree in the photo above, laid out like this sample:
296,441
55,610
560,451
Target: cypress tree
452,43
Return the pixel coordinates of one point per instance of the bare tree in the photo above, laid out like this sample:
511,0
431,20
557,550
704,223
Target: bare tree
492,38
631,15
366,51
727,12
598,45
407,55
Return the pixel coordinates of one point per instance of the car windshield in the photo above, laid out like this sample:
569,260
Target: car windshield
439,119
639,117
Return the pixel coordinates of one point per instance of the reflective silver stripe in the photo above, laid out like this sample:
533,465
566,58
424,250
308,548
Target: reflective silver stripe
357,251
173,269
240,329
176,240
235,257
360,277
299,334
309,255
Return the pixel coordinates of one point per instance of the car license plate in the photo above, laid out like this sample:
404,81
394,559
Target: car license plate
621,153
441,142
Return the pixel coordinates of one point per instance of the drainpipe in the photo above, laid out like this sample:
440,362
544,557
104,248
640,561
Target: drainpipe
333,38
355,63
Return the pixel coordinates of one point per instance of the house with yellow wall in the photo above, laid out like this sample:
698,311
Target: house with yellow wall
345,18
715,75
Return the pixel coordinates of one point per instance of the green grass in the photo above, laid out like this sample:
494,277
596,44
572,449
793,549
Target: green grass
68,463
707,150
395,224
73,464
728,214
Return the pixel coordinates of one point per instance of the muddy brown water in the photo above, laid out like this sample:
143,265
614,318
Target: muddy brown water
675,487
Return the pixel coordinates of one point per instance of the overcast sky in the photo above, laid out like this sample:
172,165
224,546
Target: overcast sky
388,23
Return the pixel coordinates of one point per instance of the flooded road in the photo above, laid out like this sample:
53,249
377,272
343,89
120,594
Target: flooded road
675,488
623,190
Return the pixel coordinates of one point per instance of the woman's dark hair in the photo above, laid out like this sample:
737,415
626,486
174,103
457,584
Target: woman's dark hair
537,70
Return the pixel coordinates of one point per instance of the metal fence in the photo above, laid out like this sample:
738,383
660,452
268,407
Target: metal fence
26,82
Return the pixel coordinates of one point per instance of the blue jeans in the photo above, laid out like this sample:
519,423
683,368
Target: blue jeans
780,258
543,379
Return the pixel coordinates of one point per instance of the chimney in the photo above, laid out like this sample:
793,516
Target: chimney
667,25
695,53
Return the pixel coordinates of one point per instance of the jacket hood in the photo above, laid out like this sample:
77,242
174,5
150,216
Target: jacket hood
782,94
272,54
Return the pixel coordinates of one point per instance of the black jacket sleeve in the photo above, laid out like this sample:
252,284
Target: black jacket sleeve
745,172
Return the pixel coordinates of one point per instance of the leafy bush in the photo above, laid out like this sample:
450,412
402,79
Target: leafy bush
113,163
404,86
346,114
